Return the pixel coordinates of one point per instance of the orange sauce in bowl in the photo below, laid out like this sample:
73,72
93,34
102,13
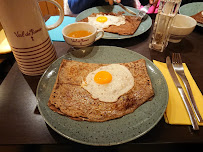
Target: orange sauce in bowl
79,34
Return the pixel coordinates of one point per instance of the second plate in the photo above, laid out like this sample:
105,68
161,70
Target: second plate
144,26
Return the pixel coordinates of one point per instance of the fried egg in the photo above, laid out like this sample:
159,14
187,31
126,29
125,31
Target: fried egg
104,21
108,83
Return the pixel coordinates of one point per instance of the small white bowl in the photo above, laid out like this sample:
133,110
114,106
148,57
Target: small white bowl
83,41
181,26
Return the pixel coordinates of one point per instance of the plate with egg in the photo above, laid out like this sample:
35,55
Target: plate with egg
110,18
102,95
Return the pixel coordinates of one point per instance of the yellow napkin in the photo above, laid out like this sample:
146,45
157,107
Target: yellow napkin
4,45
176,112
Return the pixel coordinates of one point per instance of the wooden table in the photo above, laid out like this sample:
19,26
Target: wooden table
20,122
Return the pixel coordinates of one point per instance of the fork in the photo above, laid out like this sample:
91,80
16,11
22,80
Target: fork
140,14
178,67
143,11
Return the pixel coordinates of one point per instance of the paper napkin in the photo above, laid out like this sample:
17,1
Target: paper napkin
176,112
56,34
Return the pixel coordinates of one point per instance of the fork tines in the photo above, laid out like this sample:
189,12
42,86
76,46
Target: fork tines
176,58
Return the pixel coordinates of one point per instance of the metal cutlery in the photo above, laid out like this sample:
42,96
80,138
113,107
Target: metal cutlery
181,92
125,8
141,13
178,67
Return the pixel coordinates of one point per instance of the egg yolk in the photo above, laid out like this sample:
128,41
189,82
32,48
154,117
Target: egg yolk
103,77
101,19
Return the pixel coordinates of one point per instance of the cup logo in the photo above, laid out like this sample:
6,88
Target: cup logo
30,32
81,41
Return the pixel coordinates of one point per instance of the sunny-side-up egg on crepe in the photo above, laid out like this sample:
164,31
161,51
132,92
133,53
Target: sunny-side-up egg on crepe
108,83
104,21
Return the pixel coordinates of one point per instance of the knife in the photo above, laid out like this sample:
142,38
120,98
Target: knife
125,8
182,94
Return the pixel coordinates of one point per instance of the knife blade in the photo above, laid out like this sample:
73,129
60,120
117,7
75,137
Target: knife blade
182,94
125,8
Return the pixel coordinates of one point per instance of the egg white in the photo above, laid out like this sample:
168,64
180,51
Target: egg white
111,20
122,82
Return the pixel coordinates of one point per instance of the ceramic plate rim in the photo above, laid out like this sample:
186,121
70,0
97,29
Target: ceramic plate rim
112,143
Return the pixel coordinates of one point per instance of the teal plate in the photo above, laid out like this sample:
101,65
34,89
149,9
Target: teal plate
144,26
112,132
192,9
